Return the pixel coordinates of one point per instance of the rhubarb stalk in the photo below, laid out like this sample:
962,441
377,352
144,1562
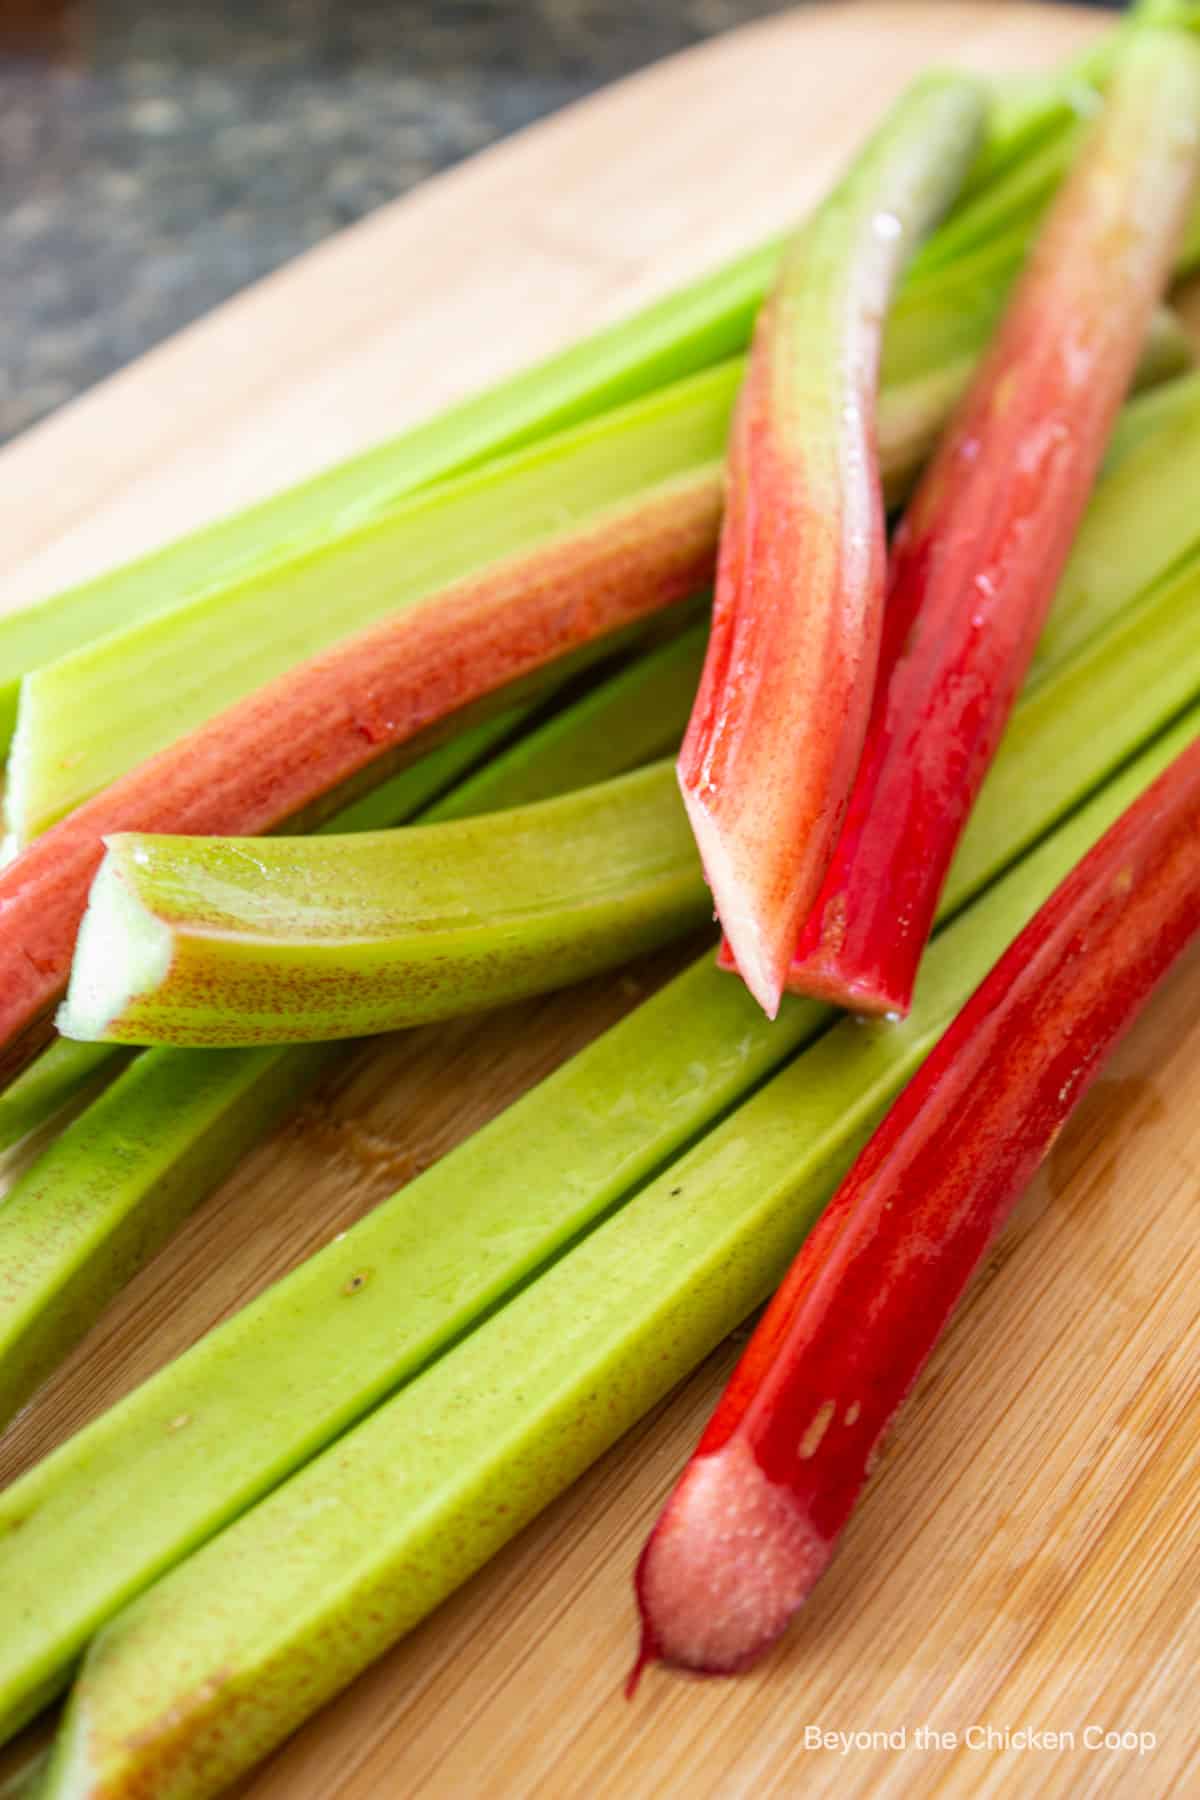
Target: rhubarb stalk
65,1067
758,1511
778,724
608,489
214,942
977,558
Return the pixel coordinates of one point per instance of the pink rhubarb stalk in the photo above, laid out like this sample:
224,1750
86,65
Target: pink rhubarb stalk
297,742
778,724
755,1518
979,554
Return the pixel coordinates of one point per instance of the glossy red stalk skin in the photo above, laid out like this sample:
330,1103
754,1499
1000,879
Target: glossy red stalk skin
978,556
779,719
837,1352
289,749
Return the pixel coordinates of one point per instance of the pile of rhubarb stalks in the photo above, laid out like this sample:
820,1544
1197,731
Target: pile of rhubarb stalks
457,723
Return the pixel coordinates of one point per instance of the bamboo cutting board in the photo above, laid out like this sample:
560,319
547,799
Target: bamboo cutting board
1028,1553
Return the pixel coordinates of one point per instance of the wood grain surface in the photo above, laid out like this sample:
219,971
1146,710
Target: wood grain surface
1029,1552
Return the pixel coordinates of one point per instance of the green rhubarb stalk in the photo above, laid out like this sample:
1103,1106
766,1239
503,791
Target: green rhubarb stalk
686,332
203,1674
1015,200
272,1385
214,942
1028,111
1150,484
115,1184
176,671
42,1090
93,1209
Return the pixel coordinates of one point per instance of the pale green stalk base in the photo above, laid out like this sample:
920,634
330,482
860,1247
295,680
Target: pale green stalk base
215,942
40,1092
294,1368
115,1184
212,1667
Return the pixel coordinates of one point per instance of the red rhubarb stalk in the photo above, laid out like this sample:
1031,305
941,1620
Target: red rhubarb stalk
977,558
757,1513
301,739
784,699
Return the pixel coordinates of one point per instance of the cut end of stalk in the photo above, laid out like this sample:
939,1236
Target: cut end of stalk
761,965
729,1562
862,995
122,952
819,980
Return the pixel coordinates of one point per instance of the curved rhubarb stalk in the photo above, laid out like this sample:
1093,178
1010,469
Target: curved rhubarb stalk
42,1090
216,942
976,561
758,1511
778,724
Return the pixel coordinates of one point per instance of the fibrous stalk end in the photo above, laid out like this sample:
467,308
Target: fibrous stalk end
731,1559
122,951
757,961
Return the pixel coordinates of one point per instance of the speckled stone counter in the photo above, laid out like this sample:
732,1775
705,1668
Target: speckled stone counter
182,149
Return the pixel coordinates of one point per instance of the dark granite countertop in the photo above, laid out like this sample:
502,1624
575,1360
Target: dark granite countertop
167,152
182,149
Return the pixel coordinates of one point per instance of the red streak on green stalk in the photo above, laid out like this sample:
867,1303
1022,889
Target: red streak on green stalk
979,554
758,1511
287,747
795,633
780,716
